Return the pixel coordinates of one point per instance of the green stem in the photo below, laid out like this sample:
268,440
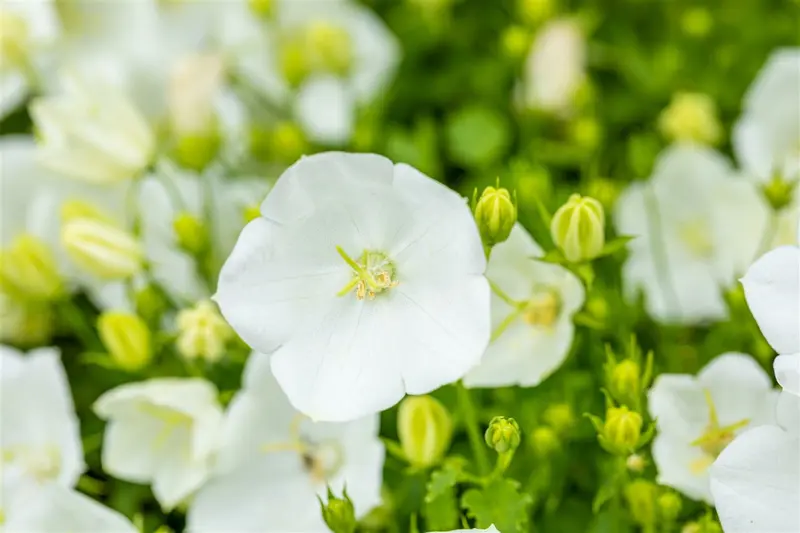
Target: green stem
473,429
76,320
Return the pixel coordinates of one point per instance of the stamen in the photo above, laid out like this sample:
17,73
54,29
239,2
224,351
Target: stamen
372,274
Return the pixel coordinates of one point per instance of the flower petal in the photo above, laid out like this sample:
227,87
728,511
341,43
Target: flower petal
787,372
682,466
326,110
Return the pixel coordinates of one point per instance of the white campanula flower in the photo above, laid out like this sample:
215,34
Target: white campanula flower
322,58
555,68
756,479
274,462
698,416
772,289
93,133
697,227
490,529
27,31
39,430
532,307
163,431
766,138
365,278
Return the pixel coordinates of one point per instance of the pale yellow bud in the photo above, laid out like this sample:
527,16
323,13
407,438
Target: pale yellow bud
127,339
578,228
202,332
691,117
28,270
624,381
503,434
635,463
102,249
425,428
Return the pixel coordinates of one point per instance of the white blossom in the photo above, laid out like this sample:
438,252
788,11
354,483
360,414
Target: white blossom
366,278
532,308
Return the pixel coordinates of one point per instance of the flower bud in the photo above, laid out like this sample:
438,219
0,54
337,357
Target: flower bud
707,524
339,513
622,430
545,441
669,506
264,9
624,381
150,302
329,47
25,323
101,248
127,339
560,417
196,150
635,463
515,41
779,192
697,21
202,332
425,428
28,270
190,232
578,228
641,498
691,117
535,11
503,434
15,38
496,215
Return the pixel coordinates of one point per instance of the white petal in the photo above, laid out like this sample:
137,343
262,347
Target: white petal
755,482
749,143
787,412
787,372
128,451
177,475
772,289
678,404
326,110
674,458
377,53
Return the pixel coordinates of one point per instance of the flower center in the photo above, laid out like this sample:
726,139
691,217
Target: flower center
319,47
696,235
715,438
373,274
542,309
322,460
43,463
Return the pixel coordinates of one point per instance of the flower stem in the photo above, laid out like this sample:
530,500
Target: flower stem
473,429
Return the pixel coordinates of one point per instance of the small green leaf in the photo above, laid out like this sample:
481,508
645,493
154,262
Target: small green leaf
607,491
500,503
441,513
616,245
444,479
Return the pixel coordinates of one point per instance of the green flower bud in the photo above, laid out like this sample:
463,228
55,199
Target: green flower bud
560,417
545,441
707,524
503,434
150,302
425,428
697,21
127,339
624,381
264,9
495,214
691,117
578,228
339,513
515,41
190,232
534,12
641,498
25,323
28,270
586,132
669,506
196,151
622,430
779,192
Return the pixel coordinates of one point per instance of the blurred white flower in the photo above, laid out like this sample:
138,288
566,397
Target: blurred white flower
39,433
532,320
490,529
697,227
202,332
367,277
195,83
555,68
766,138
163,431
274,463
698,417
27,29
772,289
336,55
93,134
756,480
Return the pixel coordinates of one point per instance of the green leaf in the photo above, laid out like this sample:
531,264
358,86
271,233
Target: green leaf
500,503
441,513
607,491
615,245
443,480
394,449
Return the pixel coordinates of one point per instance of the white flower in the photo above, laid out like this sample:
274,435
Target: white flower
26,30
555,67
699,416
39,432
772,289
57,509
161,431
274,462
532,320
195,83
490,529
366,278
756,479
767,136
697,227
93,134
202,332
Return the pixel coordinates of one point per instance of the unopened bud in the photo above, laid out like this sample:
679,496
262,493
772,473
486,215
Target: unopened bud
669,506
101,248
339,513
560,417
264,9
622,430
779,192
691,117
25,323
196,150
425,429
624,381
190,232
202,332
150,302
127,339
535,11
516,40
503,434
496,214
707,524
545,441
578,228
641,498
635,463
28,270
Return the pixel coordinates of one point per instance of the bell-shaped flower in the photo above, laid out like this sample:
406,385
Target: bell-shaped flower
365,278
532,307
698,416
274,463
